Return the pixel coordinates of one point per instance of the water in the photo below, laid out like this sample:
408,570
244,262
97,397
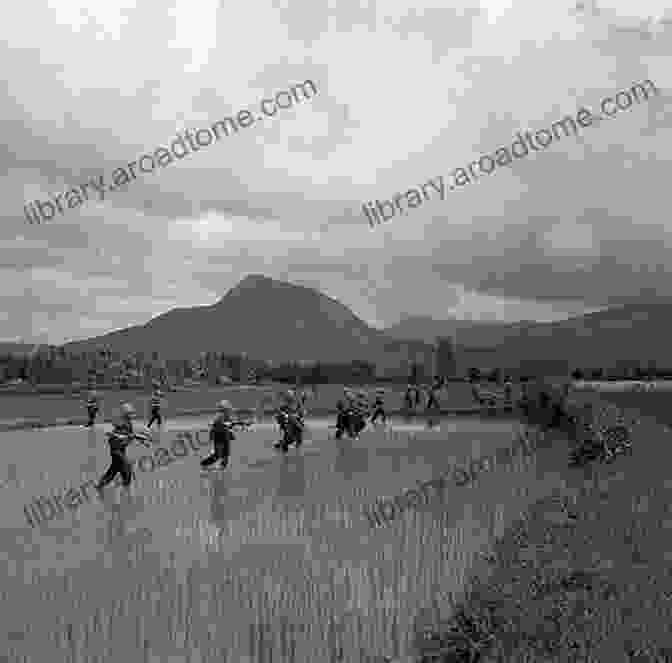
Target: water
206,568
620,386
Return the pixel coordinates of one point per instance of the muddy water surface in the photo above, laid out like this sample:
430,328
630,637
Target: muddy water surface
272,557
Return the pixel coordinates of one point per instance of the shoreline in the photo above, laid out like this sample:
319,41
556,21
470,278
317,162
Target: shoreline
573,548
36,422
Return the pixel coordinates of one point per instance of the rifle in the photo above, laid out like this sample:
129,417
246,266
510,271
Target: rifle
240,423
141,437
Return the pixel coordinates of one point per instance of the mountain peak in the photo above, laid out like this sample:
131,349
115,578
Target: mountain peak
252,278
253,281
250,282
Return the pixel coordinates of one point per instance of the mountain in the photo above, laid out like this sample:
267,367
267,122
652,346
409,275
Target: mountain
637,332
265,318
632,333
280,321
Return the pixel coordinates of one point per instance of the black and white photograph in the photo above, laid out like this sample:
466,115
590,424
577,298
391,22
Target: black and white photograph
336,331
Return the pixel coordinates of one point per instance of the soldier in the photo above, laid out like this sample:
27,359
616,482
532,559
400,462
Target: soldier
508,390
379,407
418,396
156,407
221,435
92,407
119,439
408,398
432,396
342,423
290,419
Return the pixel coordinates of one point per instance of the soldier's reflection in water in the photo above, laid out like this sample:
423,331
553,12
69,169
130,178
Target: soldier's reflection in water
292,480
92,438
218,502
116,527
117,535
432,422
350,458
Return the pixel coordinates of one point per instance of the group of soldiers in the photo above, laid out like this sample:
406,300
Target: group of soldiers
291,417
483,397
93,403
122,434
413,395
354,410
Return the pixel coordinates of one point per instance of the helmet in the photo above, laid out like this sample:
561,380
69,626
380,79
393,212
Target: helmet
224,406
127,408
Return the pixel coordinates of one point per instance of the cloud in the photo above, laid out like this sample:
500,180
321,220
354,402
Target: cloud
406,92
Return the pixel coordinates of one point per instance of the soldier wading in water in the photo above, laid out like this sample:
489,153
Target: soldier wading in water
119,439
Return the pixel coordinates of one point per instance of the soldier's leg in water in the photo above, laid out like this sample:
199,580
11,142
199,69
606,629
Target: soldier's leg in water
112,471
340,425
286,438
212,458
126,471
223,451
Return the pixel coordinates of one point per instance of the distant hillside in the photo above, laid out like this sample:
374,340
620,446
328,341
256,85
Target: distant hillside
265,318
279,321
628,333
474,333
637,332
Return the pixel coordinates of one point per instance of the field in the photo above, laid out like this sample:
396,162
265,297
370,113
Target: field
205,565
270,542
584,574
50,407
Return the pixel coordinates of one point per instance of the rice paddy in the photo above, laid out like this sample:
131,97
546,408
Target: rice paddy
193,568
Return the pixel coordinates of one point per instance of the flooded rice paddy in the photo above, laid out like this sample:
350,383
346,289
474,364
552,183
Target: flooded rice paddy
271,560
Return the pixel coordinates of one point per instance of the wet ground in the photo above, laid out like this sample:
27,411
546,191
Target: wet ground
271,560
59,408
585,575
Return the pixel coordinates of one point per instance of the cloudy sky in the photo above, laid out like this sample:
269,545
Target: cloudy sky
406,92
